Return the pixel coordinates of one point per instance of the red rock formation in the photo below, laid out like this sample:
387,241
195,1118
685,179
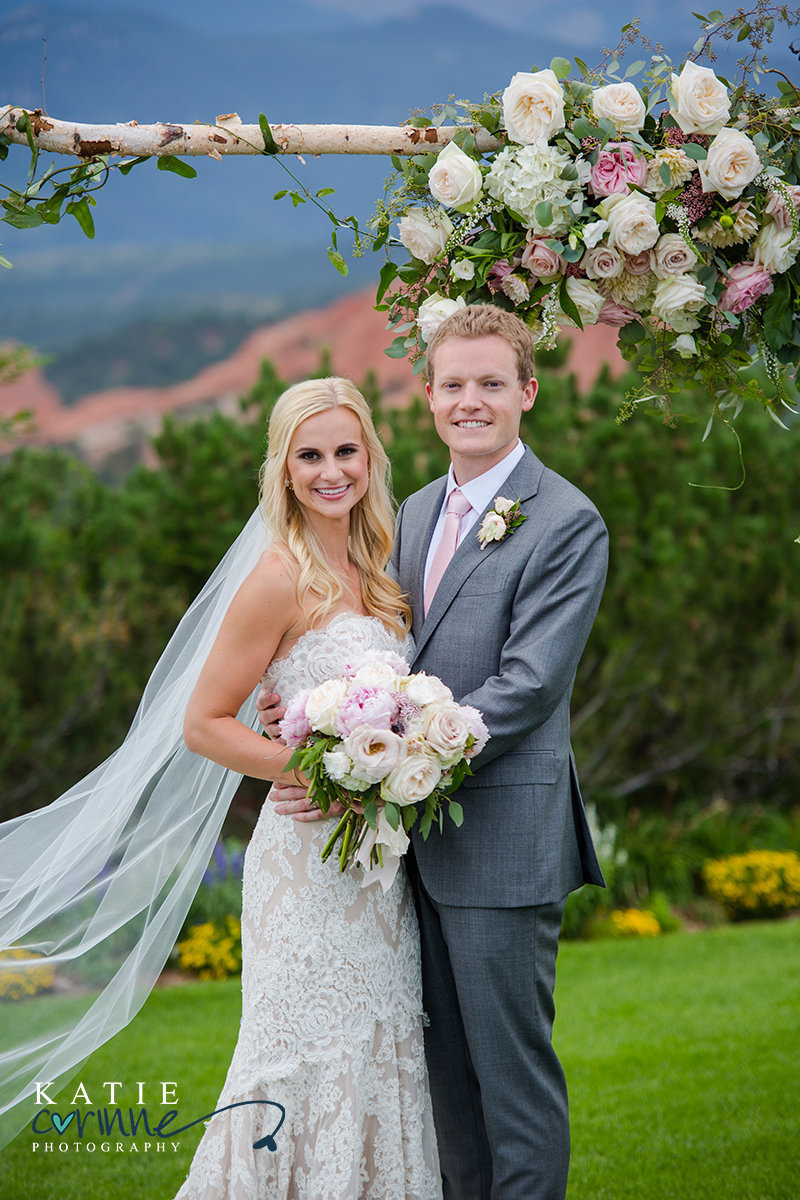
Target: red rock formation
349,329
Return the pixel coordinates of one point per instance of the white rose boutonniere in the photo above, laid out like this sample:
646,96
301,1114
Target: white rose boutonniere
500,521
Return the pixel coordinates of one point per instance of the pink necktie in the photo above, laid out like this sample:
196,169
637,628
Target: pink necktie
457,506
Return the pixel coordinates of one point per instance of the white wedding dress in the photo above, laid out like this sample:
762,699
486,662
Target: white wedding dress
331,1007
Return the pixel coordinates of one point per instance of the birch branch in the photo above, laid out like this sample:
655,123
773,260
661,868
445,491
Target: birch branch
229,136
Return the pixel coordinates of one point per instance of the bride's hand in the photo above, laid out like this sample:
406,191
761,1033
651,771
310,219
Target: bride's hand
293,802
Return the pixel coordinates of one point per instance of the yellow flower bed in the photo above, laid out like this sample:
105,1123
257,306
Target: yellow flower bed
21,981
212,950
761,883
633,922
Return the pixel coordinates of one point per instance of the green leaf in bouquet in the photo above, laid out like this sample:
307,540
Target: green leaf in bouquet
568,304
371,814
409,814
392,814
456,814
560,67
692,150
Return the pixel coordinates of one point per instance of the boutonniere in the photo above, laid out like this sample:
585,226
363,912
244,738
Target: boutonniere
499,521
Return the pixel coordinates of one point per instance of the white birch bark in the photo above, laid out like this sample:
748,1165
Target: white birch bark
228,136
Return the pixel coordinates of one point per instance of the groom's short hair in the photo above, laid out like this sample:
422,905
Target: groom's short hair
485,320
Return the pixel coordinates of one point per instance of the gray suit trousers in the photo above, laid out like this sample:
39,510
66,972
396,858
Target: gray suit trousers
499,1093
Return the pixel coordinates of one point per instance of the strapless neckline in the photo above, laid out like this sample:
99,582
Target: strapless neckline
319,631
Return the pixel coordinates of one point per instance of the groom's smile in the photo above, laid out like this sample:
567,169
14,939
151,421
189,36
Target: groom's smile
477,400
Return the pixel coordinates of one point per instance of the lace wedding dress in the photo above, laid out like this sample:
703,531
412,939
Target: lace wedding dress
331,1008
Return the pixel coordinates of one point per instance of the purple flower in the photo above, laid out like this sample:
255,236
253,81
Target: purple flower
370,706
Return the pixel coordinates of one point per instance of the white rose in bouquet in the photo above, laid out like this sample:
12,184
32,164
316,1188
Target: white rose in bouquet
593,232
377,675
677,299
434,310
463,268
447,732
424,232
426,689
701,100
412,780
621,104
455,179
732,162
632,225
774,249
587,299
338,764
533,106
672,256
323,704
374,752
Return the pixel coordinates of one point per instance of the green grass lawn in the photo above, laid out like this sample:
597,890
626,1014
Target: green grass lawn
682,1056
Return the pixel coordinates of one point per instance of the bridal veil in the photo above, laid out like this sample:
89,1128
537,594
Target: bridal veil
100,882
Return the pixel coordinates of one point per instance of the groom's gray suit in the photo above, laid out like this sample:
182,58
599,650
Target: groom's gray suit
505,631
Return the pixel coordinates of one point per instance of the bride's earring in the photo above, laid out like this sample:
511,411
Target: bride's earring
288,483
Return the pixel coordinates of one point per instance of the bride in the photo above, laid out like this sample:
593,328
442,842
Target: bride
331,995
95,887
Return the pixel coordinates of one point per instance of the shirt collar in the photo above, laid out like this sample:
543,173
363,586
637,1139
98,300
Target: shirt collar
483,489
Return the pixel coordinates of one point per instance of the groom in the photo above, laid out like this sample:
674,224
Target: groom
504,625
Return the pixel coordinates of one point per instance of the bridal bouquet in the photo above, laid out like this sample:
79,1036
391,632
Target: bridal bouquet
667,210
381,741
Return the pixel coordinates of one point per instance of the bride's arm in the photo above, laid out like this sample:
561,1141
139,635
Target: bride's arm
262,614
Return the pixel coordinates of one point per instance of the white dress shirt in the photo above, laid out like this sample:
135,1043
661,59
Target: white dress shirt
480,492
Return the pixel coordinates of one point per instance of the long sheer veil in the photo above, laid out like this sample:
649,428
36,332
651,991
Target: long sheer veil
99,882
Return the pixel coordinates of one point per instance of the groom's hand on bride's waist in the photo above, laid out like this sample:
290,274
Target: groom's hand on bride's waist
293,802
270,713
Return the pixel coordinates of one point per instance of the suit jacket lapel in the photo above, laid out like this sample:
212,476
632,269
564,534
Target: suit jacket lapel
522,484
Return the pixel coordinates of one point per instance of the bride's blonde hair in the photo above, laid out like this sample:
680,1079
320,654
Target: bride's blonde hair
371,519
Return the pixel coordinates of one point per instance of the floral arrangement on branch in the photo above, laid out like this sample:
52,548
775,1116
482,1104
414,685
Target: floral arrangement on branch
381,741
668,209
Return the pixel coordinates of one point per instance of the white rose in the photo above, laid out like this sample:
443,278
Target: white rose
447,732
337,764
603,262
463,268
701,100
413,780
492,529
393,840
676,299
774,250
593,232
426,689
502,505
323,704
672,256
533,107
620,103
731,163
375,752
424,233
685,345
434,310
587,299
455,179
377,674
632,225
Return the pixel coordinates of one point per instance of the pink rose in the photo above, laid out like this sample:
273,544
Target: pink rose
746,283
616,314
617,165
295,726
541,261
370,706
639,264
603,262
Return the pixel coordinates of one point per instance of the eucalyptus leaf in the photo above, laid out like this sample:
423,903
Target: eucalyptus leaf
560,67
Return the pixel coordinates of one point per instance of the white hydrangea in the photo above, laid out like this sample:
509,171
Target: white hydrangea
523,177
